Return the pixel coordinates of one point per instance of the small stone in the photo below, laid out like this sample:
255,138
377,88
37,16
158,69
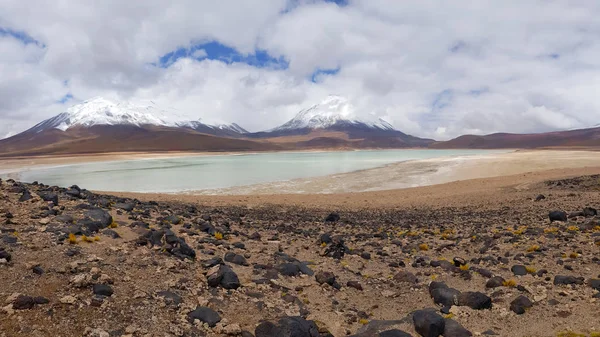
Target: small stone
204,315
428,323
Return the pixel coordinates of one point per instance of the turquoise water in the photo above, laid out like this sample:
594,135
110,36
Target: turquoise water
171,175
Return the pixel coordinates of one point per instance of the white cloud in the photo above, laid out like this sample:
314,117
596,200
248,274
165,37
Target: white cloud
490,66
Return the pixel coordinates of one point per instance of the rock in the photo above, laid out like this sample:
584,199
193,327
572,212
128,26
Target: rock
333,217
37,270
594,283
405,276
204,315
365,255
540,197
288,327
354,284
495,282
325,238
128,207
394,333
520,304
589,212
428,323
99,215
89,332
475,300
111,233
103,290
557,216
235,259
519,270
5,255
325,277
23,302
170,298
289,269
567,280
459,261
445,296
50,197
223,276
453,329
25,196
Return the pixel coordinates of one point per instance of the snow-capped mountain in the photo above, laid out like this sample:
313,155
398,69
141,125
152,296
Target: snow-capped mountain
102,111
331,112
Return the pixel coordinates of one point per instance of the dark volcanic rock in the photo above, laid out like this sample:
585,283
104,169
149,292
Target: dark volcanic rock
333,217
51,197
557,216
288,327
520,304
325,277
594,283
235,259
394,333
566,280
5,255
445,296
454,329
354,284
23,302
519,270
224,277
101,216
495,282
204,315
428,323
475,300
103,290
405,276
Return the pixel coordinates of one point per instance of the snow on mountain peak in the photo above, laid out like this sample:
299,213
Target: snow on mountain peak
331,111
102,111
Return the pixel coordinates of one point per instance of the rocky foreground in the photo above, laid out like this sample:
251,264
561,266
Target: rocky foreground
75,263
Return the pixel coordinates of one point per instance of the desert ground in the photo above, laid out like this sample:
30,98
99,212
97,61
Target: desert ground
475,254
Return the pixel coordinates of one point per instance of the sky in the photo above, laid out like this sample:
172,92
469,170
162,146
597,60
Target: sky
432,68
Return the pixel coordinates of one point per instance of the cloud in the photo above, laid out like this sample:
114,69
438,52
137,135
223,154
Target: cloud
433,68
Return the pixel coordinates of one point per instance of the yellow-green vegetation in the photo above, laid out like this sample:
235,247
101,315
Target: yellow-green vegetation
84,238
573,255
449,316
72,239
534,248
434,277
570,334
572,228
509,283
597,229
530,269
594,334
218,235
113,224
552,230
412,234
363,321
15,233
344,263
96,238
464,267
323,244
423,247
521,230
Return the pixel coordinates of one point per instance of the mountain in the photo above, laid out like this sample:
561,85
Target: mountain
571,138
335,122
101,111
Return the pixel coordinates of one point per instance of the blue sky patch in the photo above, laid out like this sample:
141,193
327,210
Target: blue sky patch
65,98
442,100
21,36
318,75
217,51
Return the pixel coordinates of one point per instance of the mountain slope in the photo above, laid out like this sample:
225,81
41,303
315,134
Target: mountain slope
572,138
337,116
101,111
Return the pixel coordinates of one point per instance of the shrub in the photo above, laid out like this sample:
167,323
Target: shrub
84,238
424,246
72,239
530,269
573,255
464,267
219,236
113,224
572,228
534,248
509,283
363,321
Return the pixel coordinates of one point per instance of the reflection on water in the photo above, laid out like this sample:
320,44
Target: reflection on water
222,171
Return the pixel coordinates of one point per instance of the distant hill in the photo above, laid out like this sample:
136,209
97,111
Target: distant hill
572,138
